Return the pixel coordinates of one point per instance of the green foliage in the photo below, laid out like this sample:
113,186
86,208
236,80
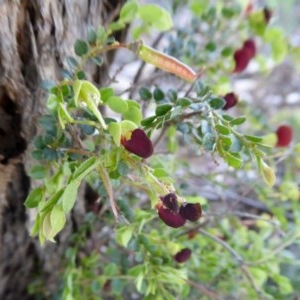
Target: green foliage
88,139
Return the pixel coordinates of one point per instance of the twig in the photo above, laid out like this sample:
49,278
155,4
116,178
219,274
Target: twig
203,289
239,259
223,244
251,280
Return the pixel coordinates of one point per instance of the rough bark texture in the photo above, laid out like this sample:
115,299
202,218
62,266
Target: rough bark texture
35,38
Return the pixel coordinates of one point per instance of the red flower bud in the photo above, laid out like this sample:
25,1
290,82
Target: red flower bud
169,218
284,135
267,14
231,100
190,211
243,55
183,255
138,143
170,202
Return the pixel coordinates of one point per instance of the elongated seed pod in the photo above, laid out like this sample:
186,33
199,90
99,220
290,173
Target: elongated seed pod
167,63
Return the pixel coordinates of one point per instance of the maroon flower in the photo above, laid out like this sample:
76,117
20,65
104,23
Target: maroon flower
243,55
231,100
267,14
190,211
251,47
284,135
170,202
169,218
138,143
183,255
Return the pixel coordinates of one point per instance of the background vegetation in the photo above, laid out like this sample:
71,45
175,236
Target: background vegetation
208,149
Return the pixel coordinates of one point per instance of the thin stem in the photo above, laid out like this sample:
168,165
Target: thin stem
203,289
239,259
223,244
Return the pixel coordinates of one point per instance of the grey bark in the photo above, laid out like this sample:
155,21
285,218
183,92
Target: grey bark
35,38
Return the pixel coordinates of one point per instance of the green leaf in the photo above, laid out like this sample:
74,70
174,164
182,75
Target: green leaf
133,114
63,115
124,235
259,276
222,129
284,284
85,168
208,141
110,270
227,51
92,36
36,226
156,16
238,121
276,37
117,104
158,94
106,93
184,102
289,190
129,11
127,125
114,129
211,46
101,34
145,93
52,102
97,60
227,118
254,139
77,88
72,62
69,196
217,103
162,109
80,47
57,220
236,145
172,95
205,127
148,121
47,228
38,172
117,285
34,198
51,201
81,75
233,161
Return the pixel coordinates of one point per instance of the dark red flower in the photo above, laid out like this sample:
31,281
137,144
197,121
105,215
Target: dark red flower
183,255
267,14
231,100
190,211
284,135
170,202
139,143
169,218
243,55
251,47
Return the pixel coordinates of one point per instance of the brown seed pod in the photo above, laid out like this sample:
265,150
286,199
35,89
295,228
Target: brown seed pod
167,63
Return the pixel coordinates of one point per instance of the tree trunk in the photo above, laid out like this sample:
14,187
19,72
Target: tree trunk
35,38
